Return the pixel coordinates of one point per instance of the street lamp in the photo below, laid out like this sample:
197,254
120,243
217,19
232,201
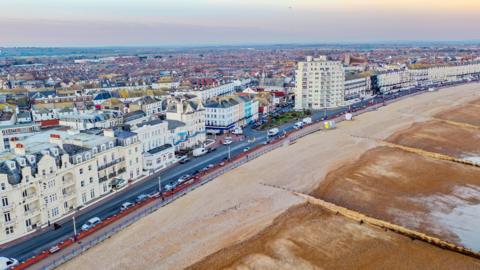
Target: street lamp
229,152
74,228
159,185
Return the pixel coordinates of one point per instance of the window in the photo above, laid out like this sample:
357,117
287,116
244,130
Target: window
28,222
92,193
55,212
7,217
3,186
9,230
4,201
84,197
26,207
80,170
89,167
82,183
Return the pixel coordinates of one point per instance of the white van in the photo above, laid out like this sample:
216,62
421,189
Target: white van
91,223
307,120
7,263
238,131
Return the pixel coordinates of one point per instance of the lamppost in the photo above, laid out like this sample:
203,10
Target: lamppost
160,187
229,152
74,228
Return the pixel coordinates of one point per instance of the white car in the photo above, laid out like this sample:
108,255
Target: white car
125,205
7,263
227,140
91,223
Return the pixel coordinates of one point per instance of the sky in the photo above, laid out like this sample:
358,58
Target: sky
221,22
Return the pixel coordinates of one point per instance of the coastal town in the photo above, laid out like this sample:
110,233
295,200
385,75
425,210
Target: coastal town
86,138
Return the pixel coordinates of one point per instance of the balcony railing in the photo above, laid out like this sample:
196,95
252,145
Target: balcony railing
7,207
30,196
111,163
32,211
69,194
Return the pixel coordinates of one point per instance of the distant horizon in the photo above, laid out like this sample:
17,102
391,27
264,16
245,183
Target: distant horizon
263,44
100,23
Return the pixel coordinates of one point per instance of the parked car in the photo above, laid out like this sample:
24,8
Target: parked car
227,140
273,132
141,198
118,183
183,178
169,187
246,149
298,125
91,223
7,263
125,205
183,159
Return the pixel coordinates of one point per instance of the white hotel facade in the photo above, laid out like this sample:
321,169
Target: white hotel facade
53,173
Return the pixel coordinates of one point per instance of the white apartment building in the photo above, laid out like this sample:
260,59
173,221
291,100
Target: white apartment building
190,113
357,88
452,73
52,173
223,114
319,84
393,81
397,80
157,144
217,90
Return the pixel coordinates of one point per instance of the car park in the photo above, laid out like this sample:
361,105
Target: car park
91,223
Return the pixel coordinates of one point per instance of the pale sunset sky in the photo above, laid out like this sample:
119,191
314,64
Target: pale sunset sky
218,22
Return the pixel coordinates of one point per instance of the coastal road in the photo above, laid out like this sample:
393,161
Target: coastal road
27,247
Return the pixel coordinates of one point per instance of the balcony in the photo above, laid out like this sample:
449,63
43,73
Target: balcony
32,212
111,163
30,197
7,207
69,194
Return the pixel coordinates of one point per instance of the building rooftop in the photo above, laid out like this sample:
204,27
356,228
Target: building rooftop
173,124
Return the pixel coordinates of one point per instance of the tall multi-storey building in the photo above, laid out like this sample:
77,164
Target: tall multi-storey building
319,84
53,173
